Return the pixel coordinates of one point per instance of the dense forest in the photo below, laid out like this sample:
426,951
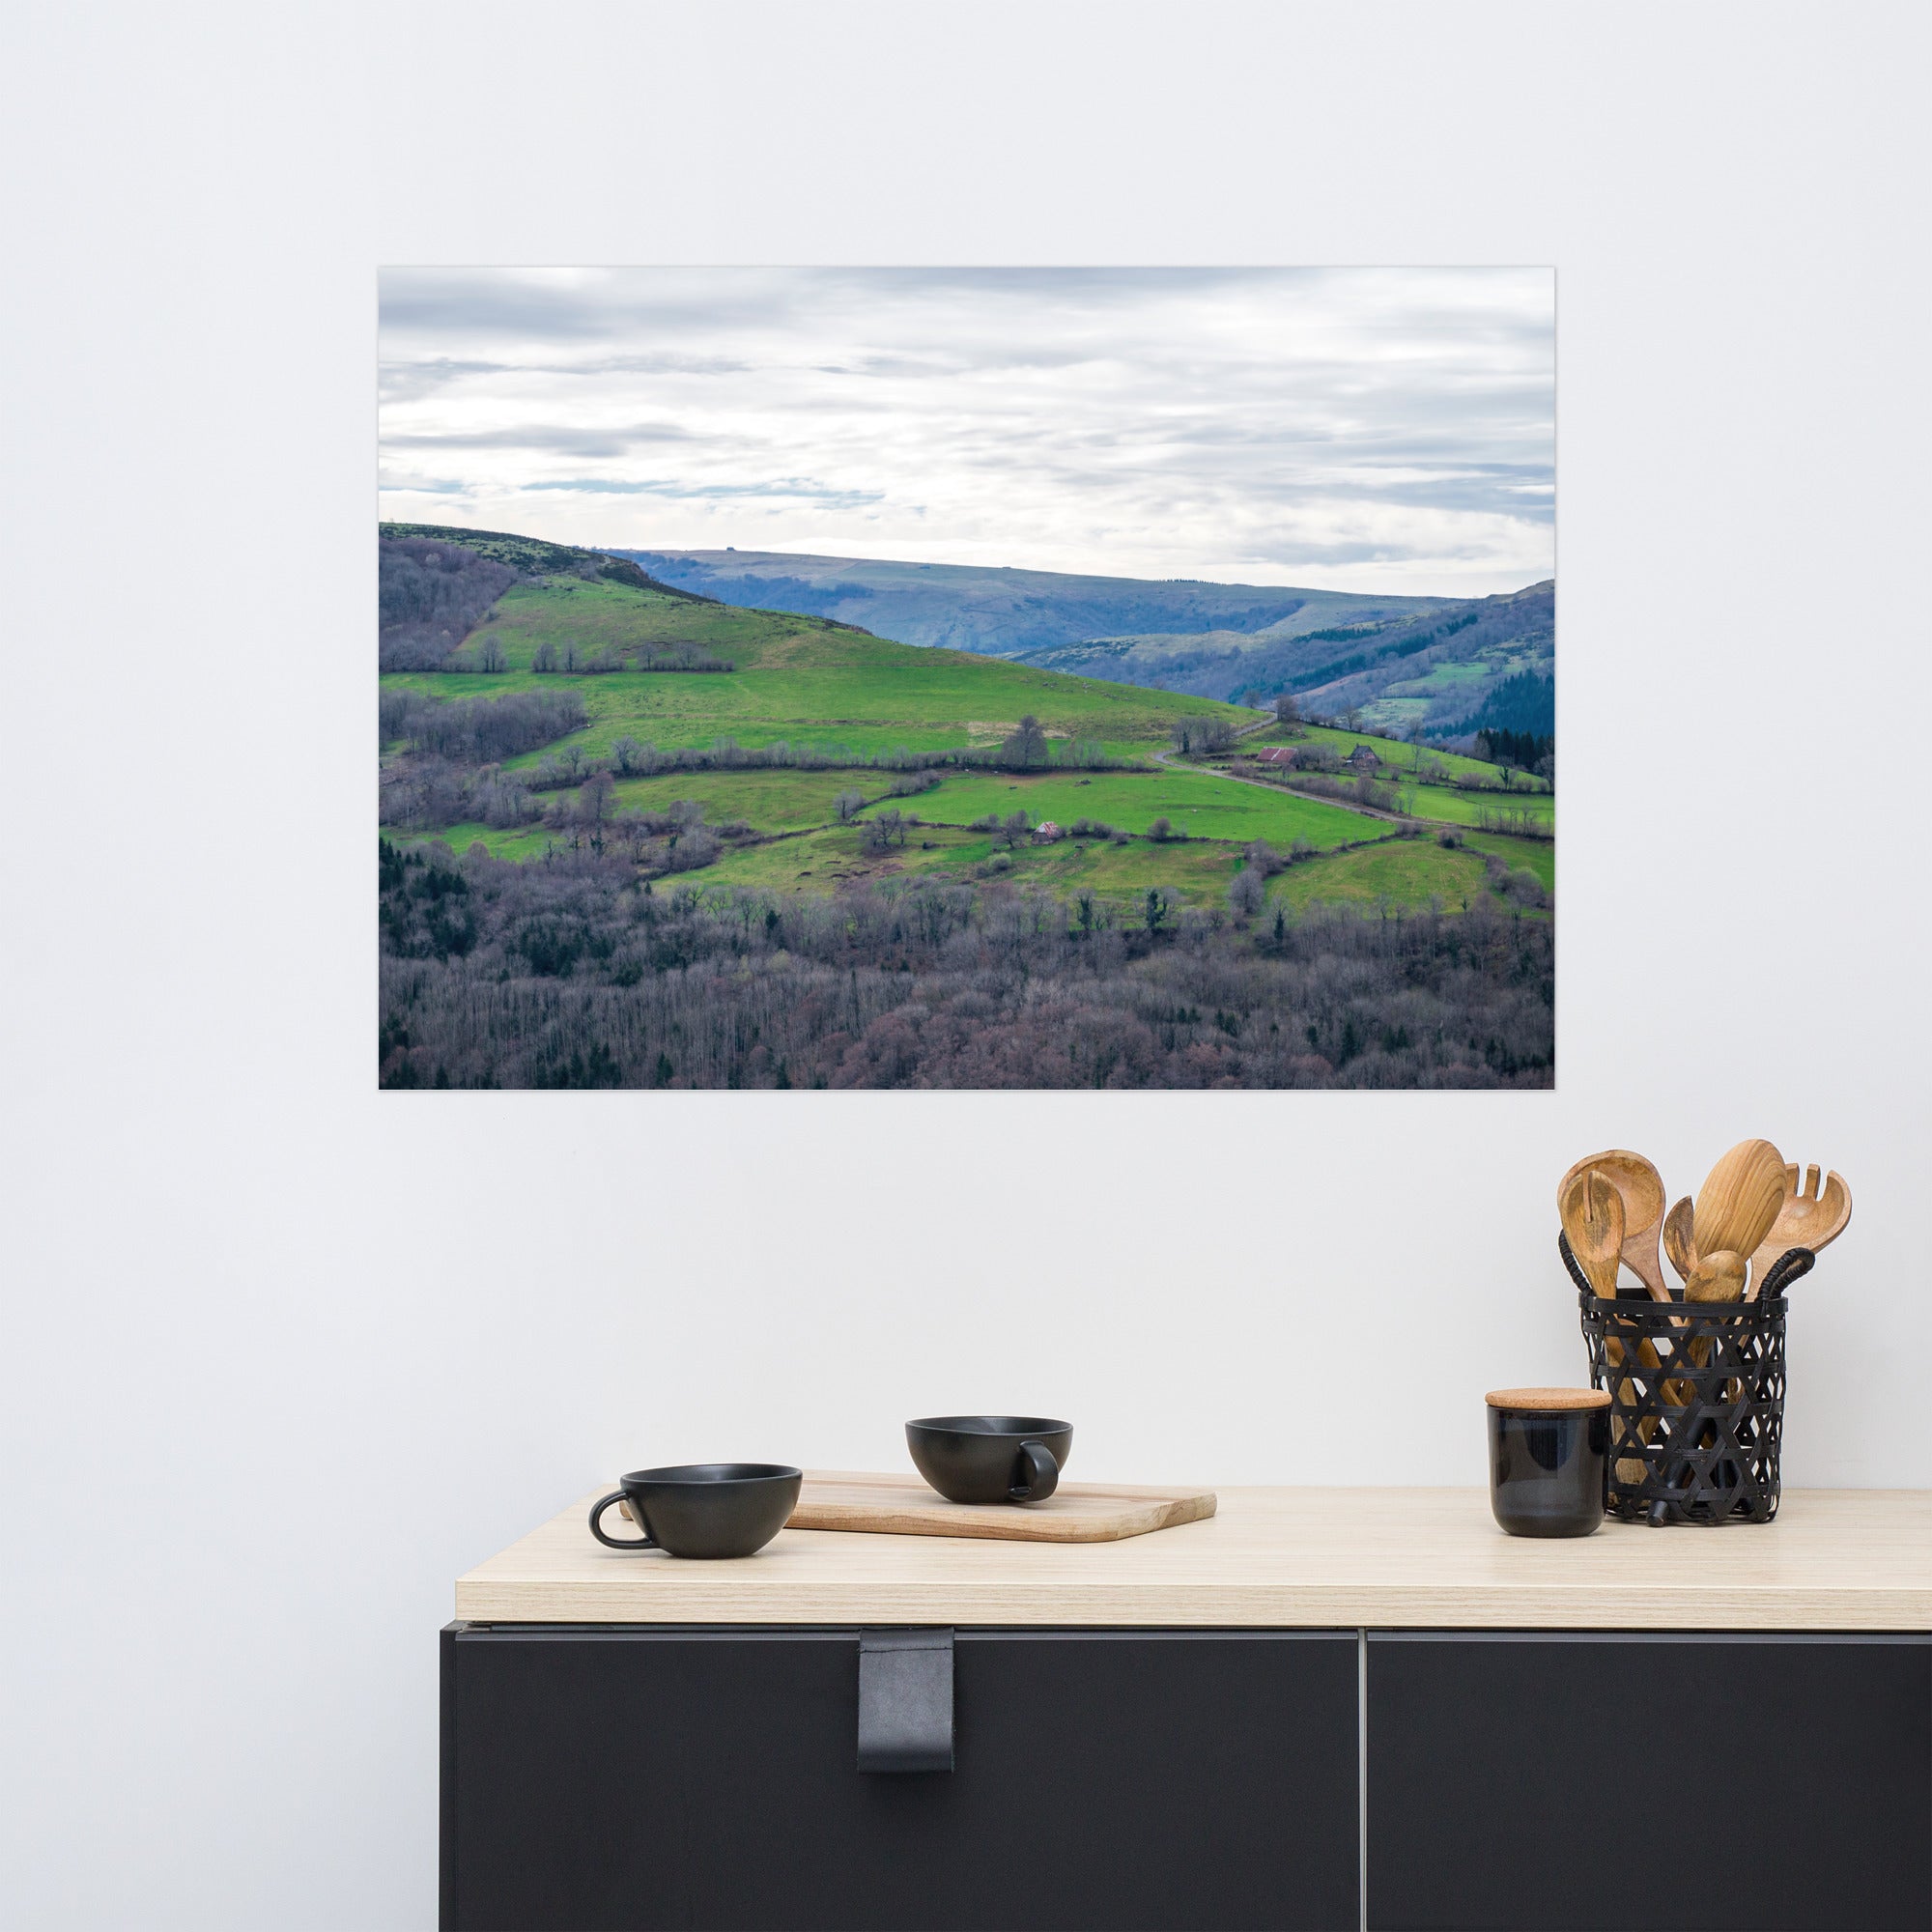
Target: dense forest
575,971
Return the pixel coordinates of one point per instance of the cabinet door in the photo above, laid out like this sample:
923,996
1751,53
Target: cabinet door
1621,1782
604,1778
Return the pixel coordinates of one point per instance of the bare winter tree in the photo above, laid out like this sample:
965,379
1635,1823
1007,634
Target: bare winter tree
565,973
1027,747
593,798
886,829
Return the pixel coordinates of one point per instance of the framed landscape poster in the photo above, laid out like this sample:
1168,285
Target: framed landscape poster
940,678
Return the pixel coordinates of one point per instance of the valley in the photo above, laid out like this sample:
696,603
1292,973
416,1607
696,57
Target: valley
570,727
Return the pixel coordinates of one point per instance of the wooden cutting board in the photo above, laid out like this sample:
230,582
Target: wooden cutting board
1075,1513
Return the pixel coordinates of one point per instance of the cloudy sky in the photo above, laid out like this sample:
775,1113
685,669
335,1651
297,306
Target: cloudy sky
1347,429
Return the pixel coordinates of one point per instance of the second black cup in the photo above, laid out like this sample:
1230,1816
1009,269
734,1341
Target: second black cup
990,1458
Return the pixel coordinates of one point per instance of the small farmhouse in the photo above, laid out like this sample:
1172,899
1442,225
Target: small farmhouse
1046,829
1276,755
1363,759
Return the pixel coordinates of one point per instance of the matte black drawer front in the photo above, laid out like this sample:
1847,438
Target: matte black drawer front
602,1780
1545,1784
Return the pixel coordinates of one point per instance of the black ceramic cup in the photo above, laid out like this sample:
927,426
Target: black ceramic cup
990,1458
1549,1459
702,1508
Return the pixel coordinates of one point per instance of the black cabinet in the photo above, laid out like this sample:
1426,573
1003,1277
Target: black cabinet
604,1778
1575,1782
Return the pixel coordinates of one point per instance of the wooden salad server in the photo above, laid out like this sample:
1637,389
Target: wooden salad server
1808,1217
1641,1187
1739,1200
1592,1211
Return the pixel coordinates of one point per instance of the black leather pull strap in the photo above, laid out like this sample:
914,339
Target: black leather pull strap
905,1700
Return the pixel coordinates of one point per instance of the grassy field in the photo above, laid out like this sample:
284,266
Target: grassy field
797,679
821,861
767,801
1400,871
1396,872
1198,805
806,682
1402,757
1447,806
1533,855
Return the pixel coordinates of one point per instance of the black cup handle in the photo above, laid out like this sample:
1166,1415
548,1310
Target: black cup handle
597,1510
1041,1477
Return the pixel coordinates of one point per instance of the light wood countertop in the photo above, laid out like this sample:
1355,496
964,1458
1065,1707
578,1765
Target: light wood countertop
1835,1560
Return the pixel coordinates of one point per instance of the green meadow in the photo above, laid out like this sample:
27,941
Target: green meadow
1197,805
798,680
812,684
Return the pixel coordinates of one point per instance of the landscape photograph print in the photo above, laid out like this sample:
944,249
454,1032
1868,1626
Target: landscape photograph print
819,678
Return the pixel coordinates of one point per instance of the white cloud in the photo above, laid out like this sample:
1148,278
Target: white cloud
1349,429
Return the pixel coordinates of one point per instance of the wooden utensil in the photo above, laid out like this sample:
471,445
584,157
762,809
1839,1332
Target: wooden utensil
1593,1222
1641,1187
1593,1218
1680,1238
1680,1243
1716,1277
1808,1218
1740,1199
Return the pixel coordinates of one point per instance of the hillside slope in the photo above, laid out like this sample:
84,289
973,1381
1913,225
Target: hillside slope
1431,670
1404,663
781,677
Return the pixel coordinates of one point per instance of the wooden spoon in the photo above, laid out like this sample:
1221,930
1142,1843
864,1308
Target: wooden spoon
1808,1218
1740,1199
1593,1217
1680,1238
1642,1190
1716,1277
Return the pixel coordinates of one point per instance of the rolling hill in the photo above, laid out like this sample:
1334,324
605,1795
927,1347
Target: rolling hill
708,844
1404,663
752,715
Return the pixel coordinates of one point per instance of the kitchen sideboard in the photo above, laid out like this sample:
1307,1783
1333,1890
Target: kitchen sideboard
1316,1709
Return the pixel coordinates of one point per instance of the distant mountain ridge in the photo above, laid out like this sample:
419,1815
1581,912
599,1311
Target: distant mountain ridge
1002,612
1416,663
1433,670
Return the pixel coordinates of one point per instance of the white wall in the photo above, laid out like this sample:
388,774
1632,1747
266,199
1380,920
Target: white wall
283,1355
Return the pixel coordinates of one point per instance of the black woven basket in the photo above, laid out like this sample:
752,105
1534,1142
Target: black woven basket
1696,1399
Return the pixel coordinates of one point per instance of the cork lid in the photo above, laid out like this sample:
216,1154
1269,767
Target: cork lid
1548,1401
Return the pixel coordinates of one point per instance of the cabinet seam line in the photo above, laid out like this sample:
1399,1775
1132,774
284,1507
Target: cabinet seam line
1362,1777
